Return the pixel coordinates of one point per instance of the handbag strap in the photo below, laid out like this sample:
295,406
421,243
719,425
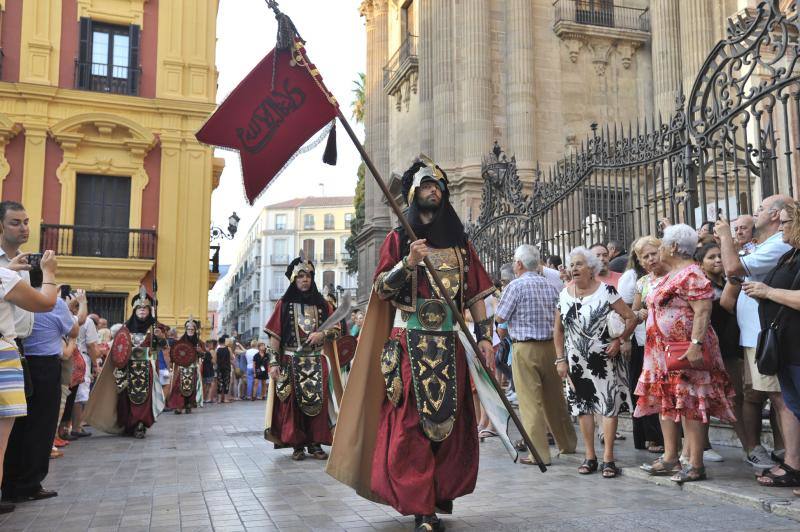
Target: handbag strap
793,286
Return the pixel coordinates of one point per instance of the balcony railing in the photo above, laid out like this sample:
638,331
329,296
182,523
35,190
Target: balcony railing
278,260
602,13
403,60
102,77
106,242
329,257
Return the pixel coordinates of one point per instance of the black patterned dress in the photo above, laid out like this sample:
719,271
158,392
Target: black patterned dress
597,383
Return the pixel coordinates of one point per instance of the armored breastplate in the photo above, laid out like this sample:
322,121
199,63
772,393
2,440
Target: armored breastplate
304,320
449,265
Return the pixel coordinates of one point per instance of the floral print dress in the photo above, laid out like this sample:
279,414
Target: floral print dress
694,394
596,382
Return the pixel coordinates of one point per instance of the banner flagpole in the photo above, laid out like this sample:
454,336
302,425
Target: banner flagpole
442,290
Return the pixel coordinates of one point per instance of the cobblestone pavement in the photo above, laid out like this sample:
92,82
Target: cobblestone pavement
212,470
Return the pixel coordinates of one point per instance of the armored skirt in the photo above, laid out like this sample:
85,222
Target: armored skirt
409,471
130,413
185,384
290,425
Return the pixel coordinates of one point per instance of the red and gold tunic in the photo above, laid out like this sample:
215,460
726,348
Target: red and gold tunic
300,416
417,466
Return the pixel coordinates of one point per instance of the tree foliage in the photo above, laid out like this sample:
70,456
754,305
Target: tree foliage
357,224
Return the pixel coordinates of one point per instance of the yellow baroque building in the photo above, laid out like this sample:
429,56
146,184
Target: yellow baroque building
99,102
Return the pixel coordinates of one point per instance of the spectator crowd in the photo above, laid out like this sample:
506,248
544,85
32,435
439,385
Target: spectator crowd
672,331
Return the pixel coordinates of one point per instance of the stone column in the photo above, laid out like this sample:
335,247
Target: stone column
520,96
377,221
666,50
444,116
426,68
697,38
475,83
33,180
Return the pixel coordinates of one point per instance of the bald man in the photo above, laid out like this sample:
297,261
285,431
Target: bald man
743,227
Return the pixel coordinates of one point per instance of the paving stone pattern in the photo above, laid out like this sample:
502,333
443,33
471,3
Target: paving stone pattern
212,470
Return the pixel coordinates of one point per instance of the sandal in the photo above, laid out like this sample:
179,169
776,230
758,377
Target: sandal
610,469
689,474
298,454
486,433
655,449
529,460
790,478
588,466
662,468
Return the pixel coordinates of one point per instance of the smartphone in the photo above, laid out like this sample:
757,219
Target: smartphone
35,260
66,290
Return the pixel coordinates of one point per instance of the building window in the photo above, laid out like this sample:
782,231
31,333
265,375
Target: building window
407,16
102,215
108,58
308,222
348,220
329,250
280,222
308,248
329,280
328,221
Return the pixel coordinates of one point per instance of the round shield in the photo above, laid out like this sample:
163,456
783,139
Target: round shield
121,348
183,354
346,349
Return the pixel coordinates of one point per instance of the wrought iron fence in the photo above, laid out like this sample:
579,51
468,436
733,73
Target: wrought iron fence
602,13
734,141
105,242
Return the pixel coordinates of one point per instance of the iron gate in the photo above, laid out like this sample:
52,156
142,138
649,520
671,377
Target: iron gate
735,140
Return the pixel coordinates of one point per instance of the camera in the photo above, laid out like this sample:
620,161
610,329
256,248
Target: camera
66,291
35,261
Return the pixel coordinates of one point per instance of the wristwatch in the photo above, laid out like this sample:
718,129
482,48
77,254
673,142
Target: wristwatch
695,341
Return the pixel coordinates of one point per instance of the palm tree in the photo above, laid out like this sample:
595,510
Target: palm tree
358,102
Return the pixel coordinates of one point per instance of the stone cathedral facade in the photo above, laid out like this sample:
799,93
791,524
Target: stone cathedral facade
448,78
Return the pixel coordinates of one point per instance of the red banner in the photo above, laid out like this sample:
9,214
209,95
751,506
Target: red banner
276,108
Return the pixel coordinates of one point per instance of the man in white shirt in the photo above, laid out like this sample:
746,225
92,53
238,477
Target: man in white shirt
250,356
15,233
754,267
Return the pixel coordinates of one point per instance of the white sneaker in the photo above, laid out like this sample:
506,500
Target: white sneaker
759,458
711,455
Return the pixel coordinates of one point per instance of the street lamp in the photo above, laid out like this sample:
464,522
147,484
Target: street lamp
233,224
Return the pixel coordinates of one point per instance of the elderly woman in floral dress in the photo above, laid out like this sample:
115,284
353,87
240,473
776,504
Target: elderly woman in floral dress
679,312
588,355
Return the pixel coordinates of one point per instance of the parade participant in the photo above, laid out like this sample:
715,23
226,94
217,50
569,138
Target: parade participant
406,432
127,397
300,417
186,382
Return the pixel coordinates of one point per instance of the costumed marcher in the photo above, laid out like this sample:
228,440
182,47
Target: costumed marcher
127,397
298,409
186,379
406,433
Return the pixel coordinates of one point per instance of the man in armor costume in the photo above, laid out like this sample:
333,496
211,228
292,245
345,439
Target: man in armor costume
406,431
128,397
186,381
301,415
